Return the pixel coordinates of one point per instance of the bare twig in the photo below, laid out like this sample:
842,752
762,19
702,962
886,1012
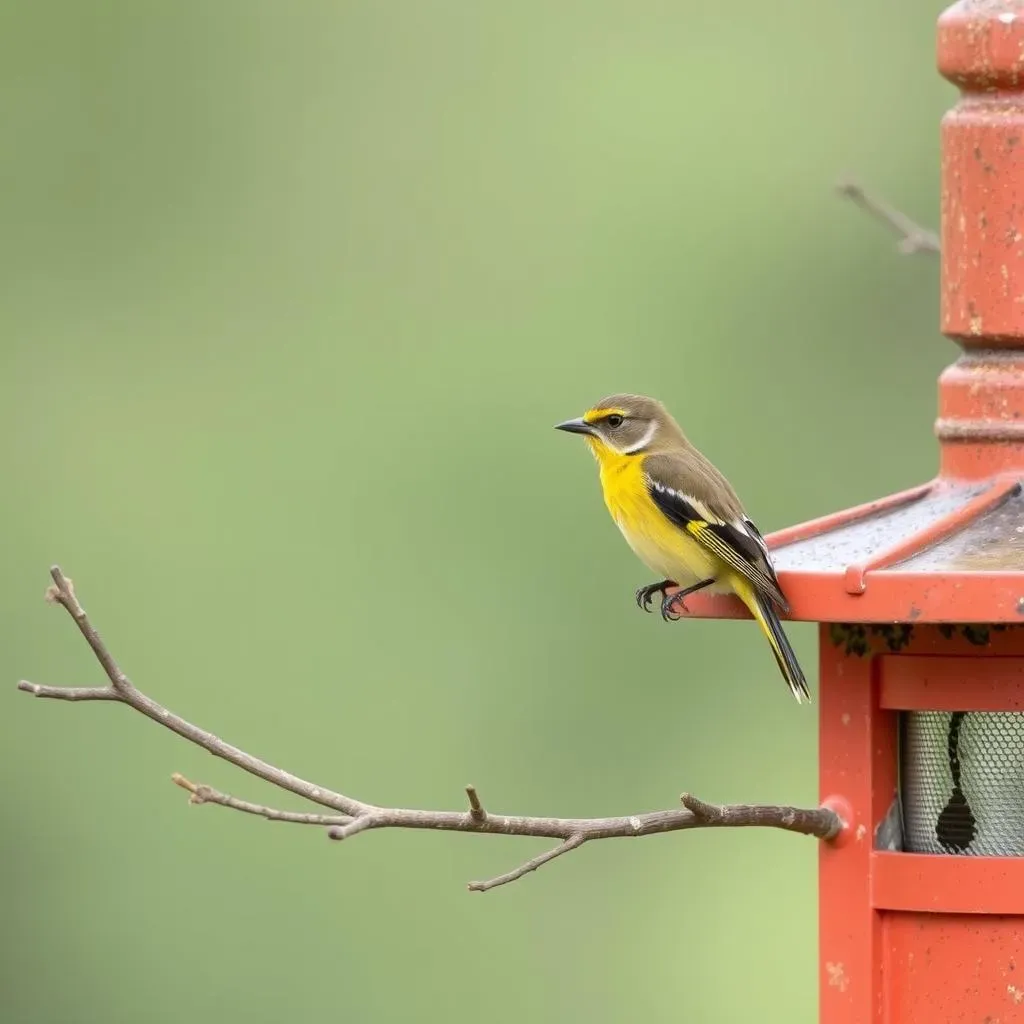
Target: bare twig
201,794
122,689
356,816
70,692
476,809
913,237
574,841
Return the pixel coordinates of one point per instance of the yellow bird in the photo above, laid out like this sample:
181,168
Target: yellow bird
682,518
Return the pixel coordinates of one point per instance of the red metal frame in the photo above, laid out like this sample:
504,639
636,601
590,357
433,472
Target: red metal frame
931,682
949,885
859,762
910,938
905,597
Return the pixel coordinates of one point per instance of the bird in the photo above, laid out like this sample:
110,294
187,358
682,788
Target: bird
682,518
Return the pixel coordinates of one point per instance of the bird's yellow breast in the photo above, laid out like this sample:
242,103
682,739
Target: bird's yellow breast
661,545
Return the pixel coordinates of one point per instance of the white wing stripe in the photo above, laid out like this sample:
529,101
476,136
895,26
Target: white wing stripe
698,506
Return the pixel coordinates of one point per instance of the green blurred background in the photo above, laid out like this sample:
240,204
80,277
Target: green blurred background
292,295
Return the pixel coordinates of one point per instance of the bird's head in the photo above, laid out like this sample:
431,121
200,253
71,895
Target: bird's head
624,425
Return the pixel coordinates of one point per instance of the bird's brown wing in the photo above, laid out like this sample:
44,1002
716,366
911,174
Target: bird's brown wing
695,497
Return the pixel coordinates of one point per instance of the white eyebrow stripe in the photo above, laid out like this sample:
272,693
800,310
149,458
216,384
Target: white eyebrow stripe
652,429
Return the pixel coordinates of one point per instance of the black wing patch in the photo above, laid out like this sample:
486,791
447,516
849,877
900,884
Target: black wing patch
677,507
741,548
766,561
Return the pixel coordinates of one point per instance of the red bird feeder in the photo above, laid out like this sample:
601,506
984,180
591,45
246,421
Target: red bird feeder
920,597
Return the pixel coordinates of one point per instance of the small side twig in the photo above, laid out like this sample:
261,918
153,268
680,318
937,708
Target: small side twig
913,238
202,794
352,816
576,840
476,809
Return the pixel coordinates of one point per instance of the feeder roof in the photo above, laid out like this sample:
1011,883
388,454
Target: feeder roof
942,552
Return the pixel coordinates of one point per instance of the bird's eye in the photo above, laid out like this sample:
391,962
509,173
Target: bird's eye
615,420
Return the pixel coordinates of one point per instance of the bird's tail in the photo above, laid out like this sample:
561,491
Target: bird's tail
763,611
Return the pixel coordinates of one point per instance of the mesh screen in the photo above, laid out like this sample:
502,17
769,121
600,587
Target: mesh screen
962,782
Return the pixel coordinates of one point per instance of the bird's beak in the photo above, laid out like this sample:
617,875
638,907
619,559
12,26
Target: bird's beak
577,426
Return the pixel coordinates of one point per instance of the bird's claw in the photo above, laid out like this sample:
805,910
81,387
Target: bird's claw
668,604
645,595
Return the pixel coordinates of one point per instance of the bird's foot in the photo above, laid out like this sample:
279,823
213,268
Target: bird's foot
645,595
678,600
669,604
